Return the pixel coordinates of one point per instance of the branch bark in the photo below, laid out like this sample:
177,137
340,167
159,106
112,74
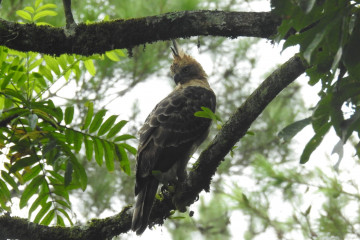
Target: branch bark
199,178
100,37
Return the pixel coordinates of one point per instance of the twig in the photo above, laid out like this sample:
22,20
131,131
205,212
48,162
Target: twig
68,14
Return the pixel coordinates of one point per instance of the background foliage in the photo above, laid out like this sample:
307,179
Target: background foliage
54,145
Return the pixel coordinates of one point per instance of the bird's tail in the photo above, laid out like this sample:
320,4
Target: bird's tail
143,205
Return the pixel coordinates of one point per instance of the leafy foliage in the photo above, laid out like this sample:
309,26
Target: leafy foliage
327,33
39,141
34,13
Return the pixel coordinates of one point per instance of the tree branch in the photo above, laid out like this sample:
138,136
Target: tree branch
68,14
119,34
96,229
199,178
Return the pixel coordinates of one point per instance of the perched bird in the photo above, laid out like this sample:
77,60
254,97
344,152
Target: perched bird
171,134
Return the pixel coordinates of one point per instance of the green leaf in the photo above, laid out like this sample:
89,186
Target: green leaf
113,131
48,218
207,113
123,159
62,61
112,56
314,143
65,214
4,189
312,46
49,118
63,203
89,115
337,59
33,172
120,52
68,174
43,210
129,148
69,114
60,190
35,64
96,122
9,180
45,6
24,15
3,202
52,64
44,14
88,147
351,51
291,130
7,80
80,173
107,125
352,124
67,75
109,156
29,9
77,141
30,190
314,75
321,113
202,114
49,146
2,102
57,177
60,221
123,137
24,162
69,135
251,133
46,72
40,200
37,3
12,93
89,65
13,113
99,151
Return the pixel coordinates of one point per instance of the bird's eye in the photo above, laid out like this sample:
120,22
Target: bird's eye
186,69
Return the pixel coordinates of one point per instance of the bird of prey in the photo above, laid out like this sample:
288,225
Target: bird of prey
171,134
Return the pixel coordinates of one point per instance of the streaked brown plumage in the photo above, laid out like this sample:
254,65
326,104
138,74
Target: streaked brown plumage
171,134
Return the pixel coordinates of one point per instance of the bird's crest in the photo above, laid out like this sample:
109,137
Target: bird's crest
177,50
181,59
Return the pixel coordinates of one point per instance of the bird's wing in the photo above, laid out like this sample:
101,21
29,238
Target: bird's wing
172,123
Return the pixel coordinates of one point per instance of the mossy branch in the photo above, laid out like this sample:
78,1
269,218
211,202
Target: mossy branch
88,39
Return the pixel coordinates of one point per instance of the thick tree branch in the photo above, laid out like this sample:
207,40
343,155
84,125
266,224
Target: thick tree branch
97,229
119,34
199,178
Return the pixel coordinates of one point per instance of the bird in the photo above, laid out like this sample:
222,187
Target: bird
171,134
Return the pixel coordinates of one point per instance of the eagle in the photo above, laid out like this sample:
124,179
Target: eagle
171,134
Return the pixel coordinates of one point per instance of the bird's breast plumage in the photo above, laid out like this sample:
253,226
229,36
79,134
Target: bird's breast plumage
171,132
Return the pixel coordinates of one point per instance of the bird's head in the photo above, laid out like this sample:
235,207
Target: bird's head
185,68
